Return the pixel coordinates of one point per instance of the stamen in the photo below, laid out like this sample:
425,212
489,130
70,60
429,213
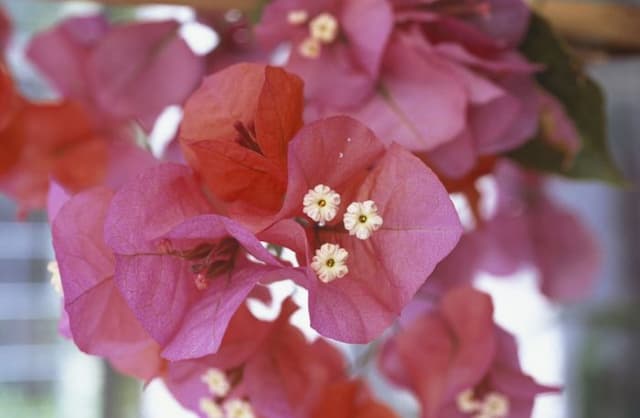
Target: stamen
237,408
217,382
297,17
324,28
361,219
210,408
321,204
330,262
247,137
310,48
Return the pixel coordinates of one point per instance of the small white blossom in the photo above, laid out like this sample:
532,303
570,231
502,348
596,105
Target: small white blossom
495,405
324,28
210,408
321,204
361,219
330,262
310,48
237,408
297,17
466,403
217,382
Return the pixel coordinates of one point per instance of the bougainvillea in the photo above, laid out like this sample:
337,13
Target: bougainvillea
334,172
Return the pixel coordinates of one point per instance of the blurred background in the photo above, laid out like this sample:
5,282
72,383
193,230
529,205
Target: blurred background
592,348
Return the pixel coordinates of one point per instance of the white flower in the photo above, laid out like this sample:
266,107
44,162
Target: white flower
495,405
324,28
237,408
321,204
361,219
210,408
297,17
217,382
466,403
330,262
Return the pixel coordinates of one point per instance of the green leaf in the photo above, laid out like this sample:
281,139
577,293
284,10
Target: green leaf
564,78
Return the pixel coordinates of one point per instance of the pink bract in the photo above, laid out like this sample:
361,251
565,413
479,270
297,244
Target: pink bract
183,270
100,322
420,226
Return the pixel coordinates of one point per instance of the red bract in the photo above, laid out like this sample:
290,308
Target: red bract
458,363
350,399
391,246
183,270
268,365
100,321
334,43
51,140
235,133
119,72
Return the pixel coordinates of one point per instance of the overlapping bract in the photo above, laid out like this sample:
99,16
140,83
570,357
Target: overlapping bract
159,260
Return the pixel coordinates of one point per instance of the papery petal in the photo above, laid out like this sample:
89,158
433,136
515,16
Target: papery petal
567,254
367,25
425,104
100,321
278,112
139,69
62,54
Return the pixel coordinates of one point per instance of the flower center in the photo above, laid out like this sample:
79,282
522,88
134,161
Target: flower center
361,219
492,405
210,408
208,260
238,408
217,382
321,204
323,29
330,262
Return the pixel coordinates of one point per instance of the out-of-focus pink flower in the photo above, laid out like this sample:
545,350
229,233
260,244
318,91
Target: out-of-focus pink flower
235,134
443,71
268,366
99,320
336,45
528,228
368,226
120,72
458,363
237,41
557,128
183,270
